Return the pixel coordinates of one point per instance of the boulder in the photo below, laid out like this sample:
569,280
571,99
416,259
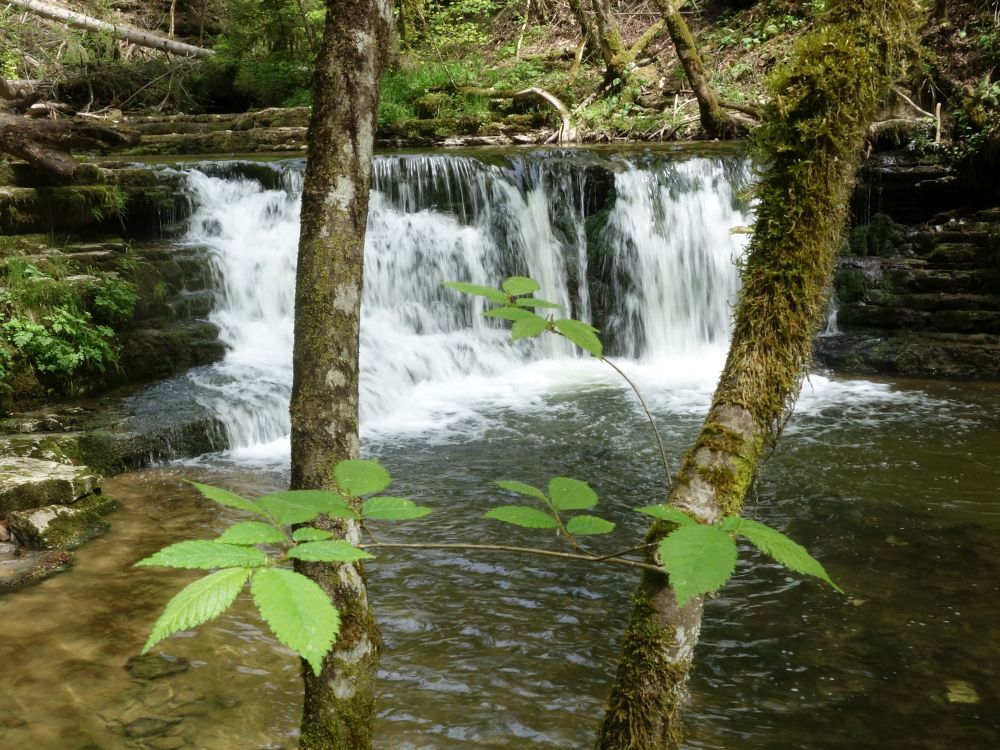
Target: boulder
33,483
56,526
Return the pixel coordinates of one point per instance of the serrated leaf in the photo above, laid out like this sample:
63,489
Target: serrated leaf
511,313
571,494
301,506
251,532
227,498
528,327
336,550
310,534
518,285
298,612
784,550
698,559
581,334
206,554
522,489
537,302
667,513
521,515
359,477
494,295
198,602
589,525
392,509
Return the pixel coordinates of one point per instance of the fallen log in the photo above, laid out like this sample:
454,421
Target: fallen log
46,144
119,31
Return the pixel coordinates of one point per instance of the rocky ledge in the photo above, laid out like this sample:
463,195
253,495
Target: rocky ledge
920,300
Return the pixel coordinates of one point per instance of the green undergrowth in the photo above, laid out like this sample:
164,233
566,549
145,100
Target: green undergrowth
59,320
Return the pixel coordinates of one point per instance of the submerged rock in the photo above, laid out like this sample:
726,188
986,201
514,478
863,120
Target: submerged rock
31,567
32,483
155,666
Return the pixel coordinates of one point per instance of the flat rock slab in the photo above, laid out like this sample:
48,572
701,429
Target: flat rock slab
56,526
31,567
32,483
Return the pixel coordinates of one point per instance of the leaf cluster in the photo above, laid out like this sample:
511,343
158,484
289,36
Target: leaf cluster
255,551
517,304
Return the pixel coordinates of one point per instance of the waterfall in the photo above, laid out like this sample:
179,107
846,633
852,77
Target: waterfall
640,245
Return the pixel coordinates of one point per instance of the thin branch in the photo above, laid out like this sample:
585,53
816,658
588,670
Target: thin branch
649,416
522,550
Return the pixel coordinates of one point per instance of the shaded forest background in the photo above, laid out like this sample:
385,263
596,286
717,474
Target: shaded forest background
459,63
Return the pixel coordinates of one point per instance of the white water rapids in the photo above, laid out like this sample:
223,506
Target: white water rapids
665,277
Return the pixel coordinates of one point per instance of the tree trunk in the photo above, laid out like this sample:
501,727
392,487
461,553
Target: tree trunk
812,140
339,705
119,31
714,121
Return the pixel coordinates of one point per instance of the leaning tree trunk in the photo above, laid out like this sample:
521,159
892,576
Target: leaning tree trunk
119,31
714,121
339,707
812,142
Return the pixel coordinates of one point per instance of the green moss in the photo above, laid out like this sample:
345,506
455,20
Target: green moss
851,285
644,708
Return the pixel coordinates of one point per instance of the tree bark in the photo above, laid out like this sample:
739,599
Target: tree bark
339,705
812,140
714,121
119,31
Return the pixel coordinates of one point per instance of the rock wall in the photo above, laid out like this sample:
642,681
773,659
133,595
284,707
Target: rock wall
921,297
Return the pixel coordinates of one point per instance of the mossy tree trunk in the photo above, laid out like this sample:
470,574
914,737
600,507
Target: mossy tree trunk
812,142
339,705
605,30
714,120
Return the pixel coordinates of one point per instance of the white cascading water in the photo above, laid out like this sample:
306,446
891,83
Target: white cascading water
428,359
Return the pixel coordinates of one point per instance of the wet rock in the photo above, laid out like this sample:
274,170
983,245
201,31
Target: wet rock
155,666
8,550
32,567
149,726
56,526
32,483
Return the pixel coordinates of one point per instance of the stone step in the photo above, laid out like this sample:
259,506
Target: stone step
27,483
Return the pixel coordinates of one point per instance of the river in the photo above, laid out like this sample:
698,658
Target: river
892,484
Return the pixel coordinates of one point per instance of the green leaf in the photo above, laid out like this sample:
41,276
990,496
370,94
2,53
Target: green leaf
205,554
359,477
251,532
581,334
537,302
667,513
494,295
730,523
336,550
198,602
698,559
299,613
520,515
229,499
588,525
571,494
310,534
392,509
511,313
302,506
522,489
518,285
789,553
528,327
